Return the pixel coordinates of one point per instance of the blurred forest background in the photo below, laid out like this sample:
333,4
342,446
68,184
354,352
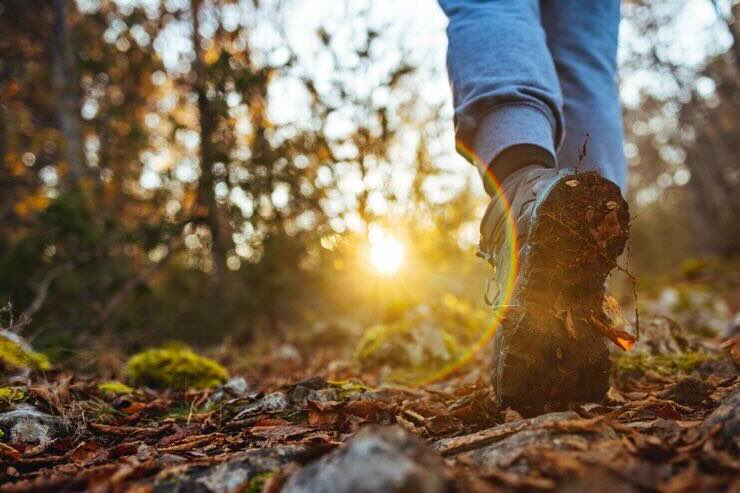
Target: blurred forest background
235,172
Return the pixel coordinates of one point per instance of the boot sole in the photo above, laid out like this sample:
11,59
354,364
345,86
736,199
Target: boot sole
550,351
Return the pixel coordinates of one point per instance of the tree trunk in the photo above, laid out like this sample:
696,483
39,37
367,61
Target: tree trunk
207,121
64,76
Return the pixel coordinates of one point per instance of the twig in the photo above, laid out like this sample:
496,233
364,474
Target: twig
120,296
633,281
582,153
42,292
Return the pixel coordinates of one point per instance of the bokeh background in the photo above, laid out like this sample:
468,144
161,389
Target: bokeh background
248,175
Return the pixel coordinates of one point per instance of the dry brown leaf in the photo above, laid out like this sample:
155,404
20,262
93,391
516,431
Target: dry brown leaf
9,453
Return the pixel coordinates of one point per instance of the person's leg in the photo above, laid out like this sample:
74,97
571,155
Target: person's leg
551,236
582,36
506,94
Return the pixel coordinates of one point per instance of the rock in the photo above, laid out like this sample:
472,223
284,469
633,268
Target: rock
235,387
276,401
314,389
661,335
242,474
169,459
26,425
689,391
425,339
664,347
408,343
322,395
502,445
725,422
287,354
732,329
377,459
723,366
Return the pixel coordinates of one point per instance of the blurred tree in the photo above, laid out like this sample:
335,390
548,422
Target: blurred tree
682,135
152,166
66,89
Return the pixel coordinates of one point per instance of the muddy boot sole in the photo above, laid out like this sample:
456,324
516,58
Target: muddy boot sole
550,351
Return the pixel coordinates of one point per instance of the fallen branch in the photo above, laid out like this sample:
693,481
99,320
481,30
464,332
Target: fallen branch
42,292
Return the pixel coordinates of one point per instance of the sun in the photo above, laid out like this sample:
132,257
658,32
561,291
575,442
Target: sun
386,252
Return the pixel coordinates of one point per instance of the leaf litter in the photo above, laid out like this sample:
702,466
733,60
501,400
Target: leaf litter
670,423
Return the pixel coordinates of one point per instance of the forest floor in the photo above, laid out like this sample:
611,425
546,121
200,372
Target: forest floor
670,423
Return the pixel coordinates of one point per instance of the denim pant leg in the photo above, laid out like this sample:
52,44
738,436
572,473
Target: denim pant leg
505,88
582,36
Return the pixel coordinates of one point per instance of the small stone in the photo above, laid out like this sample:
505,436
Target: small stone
145,452
323,395
276,401
690,391
725,422
243,473
223,478
313,389
377,459
237,386
234,387
572,183
288,354
661,335
27,425
732,329
169,459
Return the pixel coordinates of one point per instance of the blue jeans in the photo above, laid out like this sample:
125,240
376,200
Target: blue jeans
531,78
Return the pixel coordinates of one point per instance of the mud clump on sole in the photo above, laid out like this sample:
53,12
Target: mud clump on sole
580,230
553,341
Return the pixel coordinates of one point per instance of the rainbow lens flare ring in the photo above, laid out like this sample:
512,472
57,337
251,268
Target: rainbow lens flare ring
511,237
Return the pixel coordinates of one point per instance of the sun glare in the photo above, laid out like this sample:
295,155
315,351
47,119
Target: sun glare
386,252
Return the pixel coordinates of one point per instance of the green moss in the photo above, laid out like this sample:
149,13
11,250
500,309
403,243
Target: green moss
11,394
102,411
256,483
347,388
460,318
405,344
693,266
175,367
424,337
663,363
14,356
185,411
114,387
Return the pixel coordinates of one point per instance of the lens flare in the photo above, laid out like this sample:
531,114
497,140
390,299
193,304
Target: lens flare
385,252
512,254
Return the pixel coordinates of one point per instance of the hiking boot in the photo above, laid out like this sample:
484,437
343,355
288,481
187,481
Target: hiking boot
570,228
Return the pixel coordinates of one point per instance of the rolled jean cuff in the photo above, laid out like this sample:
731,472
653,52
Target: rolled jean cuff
516,125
